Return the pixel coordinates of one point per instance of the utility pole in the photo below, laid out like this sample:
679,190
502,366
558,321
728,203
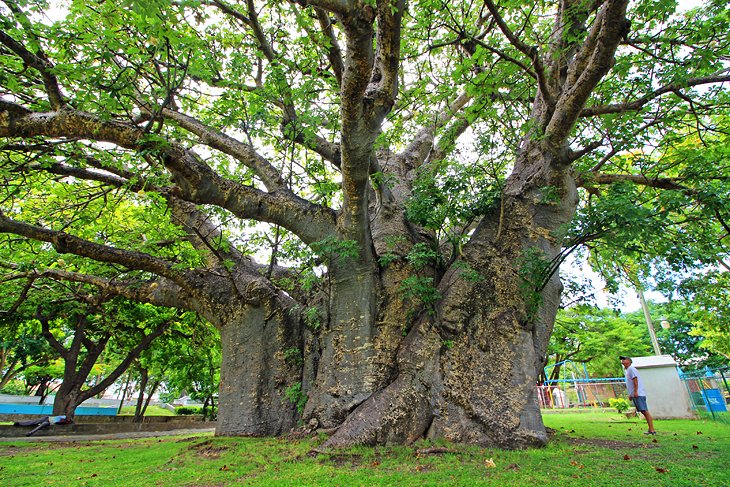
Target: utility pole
649,323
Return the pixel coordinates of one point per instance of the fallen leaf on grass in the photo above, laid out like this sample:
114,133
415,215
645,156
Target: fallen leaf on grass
695,447
655,440
489,463
224,468
626,457
699,432
375,464
661,470
512,466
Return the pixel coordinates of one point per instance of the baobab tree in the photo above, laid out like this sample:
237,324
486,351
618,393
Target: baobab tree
413,170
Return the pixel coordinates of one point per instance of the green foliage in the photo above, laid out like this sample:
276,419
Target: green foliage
332,248
467,271
550,195
533,269
293,357
592,336
296,396
14,387
421,290
188,410
622,405
707,307
313,318
442,199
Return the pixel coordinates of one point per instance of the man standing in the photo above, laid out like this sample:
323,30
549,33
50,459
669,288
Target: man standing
636,392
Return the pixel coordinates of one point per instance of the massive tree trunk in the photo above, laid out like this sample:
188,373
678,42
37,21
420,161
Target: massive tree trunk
261,371
467,370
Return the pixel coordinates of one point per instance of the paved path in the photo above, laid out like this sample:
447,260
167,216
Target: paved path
113,436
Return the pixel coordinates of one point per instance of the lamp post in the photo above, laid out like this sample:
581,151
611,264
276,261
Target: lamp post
649,323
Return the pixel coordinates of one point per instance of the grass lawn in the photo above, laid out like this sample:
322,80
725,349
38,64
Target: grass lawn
151,411
587,449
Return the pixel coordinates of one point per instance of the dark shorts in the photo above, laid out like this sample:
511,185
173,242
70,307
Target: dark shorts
640,403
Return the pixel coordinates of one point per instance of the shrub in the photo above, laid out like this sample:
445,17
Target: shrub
188,410
622,405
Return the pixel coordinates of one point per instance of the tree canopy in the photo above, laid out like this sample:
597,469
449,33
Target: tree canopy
387,188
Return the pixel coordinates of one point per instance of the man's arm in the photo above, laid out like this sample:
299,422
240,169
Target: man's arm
635,381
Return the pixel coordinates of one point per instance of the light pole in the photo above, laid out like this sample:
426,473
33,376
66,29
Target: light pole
649,323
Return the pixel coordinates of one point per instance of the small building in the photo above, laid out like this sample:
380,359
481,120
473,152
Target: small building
666,395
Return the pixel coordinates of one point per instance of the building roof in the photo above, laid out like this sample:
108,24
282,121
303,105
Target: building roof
654,361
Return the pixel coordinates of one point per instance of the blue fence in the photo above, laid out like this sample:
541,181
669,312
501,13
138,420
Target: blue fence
47,409
709,391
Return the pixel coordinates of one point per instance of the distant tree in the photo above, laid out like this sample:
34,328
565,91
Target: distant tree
708,309
595,337
21,347
90,329
193,367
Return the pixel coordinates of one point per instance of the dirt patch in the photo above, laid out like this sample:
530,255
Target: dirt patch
344,459
206,449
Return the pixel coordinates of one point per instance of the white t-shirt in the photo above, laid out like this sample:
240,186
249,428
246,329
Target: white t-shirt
630,372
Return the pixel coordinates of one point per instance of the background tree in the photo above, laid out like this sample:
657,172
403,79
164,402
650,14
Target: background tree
194,367
416,171
595,337
708,297
90,330
21,346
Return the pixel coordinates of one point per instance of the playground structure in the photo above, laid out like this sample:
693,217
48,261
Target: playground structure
576,389
708,390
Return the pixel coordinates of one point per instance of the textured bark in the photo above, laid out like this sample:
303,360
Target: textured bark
345,375
67,399
467,372
259,364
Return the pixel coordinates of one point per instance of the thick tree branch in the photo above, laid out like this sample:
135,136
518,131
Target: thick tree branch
387,56
243,153
417,152
197,182
161,292
334,53
659,183
65,243
46,331
592,62
641,102
41,64
339,7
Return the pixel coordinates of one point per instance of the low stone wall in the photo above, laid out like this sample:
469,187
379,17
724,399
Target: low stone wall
82,419
108,427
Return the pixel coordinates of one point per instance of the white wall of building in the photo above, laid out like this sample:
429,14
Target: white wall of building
666,395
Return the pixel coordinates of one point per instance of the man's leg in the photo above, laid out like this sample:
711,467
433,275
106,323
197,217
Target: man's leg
649,421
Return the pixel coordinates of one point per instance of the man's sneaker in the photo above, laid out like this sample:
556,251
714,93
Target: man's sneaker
649,432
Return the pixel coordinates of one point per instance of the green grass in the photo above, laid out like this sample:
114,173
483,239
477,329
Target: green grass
588,449
151,411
